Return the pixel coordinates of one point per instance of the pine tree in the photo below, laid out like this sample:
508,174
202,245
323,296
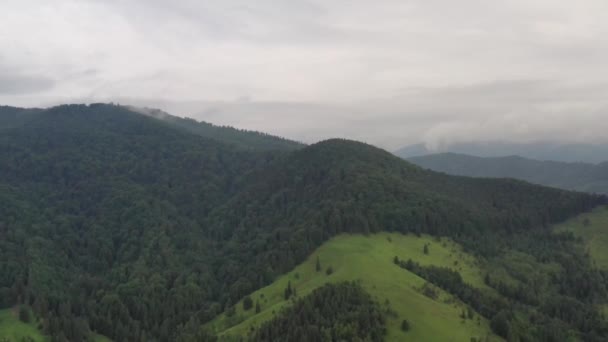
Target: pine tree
288,291
247,303
24,314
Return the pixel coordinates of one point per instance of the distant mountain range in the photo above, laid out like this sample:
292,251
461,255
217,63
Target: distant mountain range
587,153
572,176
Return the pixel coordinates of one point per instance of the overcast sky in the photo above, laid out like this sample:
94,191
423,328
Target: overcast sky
386,72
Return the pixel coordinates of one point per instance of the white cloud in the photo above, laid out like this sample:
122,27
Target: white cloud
389,72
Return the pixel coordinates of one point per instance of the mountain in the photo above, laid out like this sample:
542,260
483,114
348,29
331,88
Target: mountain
587,153
571,176
226,134
119,224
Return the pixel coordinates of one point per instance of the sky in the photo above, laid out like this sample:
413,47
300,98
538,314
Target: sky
387,72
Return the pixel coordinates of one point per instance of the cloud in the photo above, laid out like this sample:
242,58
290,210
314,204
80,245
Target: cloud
13,84
389,72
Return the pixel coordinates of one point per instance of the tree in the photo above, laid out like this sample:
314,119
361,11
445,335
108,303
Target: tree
329,270
425,250
405,325
288,290
24,314
318,265
257,307
231,311
500,324
396,260
470,312
247,303
586,222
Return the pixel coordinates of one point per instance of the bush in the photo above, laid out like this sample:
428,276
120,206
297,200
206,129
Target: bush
405,325
329,270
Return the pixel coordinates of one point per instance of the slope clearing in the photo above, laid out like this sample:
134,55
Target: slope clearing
593,228
369,259
12,329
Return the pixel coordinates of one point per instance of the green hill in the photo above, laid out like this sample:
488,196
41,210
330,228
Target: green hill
571,176
370,260
115,222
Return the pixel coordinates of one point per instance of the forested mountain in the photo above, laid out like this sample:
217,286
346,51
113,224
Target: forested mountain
14,116
571,176
237,137
132,227
564,152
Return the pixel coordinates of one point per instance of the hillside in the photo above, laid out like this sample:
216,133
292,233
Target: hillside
116,223
570,176
230,135
593,229
548,150
370,261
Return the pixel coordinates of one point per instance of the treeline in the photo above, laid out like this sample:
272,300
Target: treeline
451,282
534,303
334,312
250,140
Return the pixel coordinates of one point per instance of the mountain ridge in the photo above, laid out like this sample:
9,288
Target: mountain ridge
540,150
576,176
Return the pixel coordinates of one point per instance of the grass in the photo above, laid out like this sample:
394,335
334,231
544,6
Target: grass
593,228
14,330
369,259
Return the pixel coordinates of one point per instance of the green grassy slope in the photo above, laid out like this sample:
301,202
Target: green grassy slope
14,330
370,260
593,228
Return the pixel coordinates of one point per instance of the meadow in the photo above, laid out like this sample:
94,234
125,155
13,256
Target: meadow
369,259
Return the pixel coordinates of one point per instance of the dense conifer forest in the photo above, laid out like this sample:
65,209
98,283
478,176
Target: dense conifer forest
137,229
334,312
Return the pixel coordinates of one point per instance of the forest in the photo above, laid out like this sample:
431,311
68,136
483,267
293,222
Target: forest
138,229
334,312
